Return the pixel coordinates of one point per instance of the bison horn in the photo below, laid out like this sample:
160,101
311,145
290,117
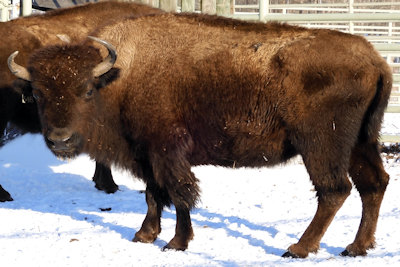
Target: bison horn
108,62
16,69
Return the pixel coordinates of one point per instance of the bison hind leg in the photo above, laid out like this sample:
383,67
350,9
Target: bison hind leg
172,172
328,173
184,193
367,172
103,179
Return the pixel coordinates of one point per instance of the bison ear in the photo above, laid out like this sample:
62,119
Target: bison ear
24,89
106,78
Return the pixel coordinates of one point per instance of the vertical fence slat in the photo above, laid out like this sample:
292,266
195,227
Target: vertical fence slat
26,7
351,11
188,5
153,3
264,9
168,5
223,7
4,10
209,7
4,14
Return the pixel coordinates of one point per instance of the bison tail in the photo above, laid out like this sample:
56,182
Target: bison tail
371,125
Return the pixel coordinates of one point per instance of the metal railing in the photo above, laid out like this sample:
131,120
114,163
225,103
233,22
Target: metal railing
376,21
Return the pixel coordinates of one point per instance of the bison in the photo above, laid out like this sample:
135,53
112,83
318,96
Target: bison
192,89
33,32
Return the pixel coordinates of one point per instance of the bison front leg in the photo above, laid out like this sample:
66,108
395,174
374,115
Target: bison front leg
151,226
329,177
370,179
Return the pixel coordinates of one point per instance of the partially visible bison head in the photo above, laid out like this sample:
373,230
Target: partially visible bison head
66,79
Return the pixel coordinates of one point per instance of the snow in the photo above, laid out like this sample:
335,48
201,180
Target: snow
247,217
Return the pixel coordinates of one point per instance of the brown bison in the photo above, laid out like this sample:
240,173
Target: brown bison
194,89
27,34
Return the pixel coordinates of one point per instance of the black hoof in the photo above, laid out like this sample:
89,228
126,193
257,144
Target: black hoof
346,253
289,254
165,248
168,247
137,240
108,190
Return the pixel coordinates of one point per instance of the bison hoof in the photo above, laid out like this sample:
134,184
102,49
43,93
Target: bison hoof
107,189
4,195
289,254
169,247
177,244
297,251
346,253
350,253
144,238
354,250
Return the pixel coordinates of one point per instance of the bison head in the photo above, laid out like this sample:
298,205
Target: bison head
65,82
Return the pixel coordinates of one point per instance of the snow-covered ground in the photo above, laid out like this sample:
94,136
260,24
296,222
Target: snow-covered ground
247,217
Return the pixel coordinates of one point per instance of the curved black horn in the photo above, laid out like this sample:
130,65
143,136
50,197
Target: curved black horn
18,70
108,62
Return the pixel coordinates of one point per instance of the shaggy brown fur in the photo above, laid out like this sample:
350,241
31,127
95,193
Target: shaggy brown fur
195,89
29,33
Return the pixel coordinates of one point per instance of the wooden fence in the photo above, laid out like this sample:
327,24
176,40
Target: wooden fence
379,22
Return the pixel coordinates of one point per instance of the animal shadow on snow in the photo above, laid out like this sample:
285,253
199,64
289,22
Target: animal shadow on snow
25,172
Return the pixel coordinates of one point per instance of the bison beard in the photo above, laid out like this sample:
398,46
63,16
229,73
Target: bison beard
194,89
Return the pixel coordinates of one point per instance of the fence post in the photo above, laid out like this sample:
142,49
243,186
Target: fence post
351,11
209,6
223,7
153,3
168,5
188,5
264,9
4,14
4,10
26,7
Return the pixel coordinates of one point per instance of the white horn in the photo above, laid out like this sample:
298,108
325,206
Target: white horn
108,62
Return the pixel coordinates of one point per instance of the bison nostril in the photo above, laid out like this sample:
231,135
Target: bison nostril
50,143
67,140
59,139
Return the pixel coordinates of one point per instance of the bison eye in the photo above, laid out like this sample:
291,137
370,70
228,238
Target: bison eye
36,94
89,93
